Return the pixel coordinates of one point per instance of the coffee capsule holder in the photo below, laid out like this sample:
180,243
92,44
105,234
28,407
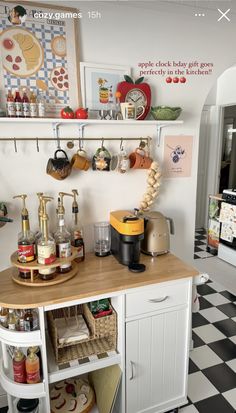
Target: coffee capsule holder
34,266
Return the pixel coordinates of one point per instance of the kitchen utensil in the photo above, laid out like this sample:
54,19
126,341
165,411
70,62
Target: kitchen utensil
43,86
165,112
156,234
102,114
102,239
59,168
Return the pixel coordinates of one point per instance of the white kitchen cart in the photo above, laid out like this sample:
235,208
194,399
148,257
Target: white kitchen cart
153,326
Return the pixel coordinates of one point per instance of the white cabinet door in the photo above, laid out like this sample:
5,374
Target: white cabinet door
157,362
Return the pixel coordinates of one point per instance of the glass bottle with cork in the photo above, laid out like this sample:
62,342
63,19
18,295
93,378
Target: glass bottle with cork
26,241
33,104
77,229
25,104
11,109
19,371
32,368
62,235
18,104
46,246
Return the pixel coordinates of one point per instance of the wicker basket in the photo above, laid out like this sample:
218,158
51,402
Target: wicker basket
103,335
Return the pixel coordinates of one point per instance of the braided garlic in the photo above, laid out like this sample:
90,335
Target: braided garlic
153,188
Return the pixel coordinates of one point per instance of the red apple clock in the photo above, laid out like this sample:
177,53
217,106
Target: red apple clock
138,93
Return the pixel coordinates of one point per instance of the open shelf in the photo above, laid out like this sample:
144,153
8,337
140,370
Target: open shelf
90,121
21,338
75,367
26,391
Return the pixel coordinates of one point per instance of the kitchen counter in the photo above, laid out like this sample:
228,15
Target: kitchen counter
96,276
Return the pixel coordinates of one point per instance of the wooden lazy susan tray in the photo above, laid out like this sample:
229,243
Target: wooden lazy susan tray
34,280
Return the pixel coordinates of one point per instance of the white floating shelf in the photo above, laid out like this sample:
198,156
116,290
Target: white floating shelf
90,121
55,374
21,338
26,391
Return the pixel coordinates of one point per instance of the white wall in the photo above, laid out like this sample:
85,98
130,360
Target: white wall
226,88
126,35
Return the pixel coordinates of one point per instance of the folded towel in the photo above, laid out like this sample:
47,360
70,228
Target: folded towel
71,329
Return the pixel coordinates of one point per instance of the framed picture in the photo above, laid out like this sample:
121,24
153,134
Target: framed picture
39,51
99,82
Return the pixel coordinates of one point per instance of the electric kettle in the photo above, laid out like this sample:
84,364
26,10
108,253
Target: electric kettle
156,233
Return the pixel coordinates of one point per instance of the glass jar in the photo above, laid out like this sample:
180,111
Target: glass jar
102,239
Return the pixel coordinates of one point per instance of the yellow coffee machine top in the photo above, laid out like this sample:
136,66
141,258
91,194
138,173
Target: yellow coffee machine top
127,232
126,223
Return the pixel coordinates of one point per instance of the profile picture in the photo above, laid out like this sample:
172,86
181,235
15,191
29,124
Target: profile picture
17,15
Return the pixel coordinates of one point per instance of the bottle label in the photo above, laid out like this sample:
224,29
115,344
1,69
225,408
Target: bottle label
41,110
18,109
27,325
11,326
26,109
22,324
33,110
19,371
25,253
11,111
79,244
33,377
64,251
46,254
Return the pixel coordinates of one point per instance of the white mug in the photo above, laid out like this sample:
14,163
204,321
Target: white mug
128,111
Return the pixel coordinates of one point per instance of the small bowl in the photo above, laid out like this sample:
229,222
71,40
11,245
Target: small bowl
165,113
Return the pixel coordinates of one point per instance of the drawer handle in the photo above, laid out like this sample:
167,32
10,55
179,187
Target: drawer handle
158,300
131,370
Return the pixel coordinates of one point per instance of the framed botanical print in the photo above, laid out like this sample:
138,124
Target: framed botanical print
39,51
99,82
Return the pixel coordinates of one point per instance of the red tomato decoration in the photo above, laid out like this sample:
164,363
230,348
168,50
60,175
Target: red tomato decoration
176,80
81,113
169,79
138,93
8,44
67,113
182,79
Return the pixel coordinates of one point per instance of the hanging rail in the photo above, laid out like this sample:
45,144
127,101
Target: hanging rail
74,139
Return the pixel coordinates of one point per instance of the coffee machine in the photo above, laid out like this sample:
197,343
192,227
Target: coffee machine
127,232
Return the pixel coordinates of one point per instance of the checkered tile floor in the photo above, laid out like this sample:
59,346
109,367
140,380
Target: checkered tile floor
212,364
200,244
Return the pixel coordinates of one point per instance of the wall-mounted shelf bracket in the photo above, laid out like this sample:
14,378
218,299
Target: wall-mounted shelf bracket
159,128
81,132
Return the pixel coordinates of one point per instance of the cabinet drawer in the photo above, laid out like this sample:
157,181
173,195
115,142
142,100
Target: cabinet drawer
156,298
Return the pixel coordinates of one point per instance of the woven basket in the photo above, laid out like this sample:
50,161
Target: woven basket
103,335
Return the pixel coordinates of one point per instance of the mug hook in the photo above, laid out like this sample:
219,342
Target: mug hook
80,144
121,144
15,146
102,143
142,144
37,144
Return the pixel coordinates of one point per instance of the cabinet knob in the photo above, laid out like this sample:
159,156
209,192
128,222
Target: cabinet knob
158,300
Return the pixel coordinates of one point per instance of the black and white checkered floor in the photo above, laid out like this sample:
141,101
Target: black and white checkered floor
212,364
200,244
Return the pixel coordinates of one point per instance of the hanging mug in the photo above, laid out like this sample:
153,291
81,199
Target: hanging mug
139,159
101,160
79,160
59,168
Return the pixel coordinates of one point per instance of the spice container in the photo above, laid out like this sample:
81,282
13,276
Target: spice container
28,406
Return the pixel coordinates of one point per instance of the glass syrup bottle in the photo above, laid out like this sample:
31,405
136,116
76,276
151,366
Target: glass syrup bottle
38,233
77,229
25,105
12,320
18,104
11,109
62,236
26,241
18,362
3,316
33,104
46,246
32,368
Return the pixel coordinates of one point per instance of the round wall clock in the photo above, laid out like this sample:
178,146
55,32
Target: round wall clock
138,93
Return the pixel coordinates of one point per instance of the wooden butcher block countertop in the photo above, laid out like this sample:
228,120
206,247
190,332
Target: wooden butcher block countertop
96,276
